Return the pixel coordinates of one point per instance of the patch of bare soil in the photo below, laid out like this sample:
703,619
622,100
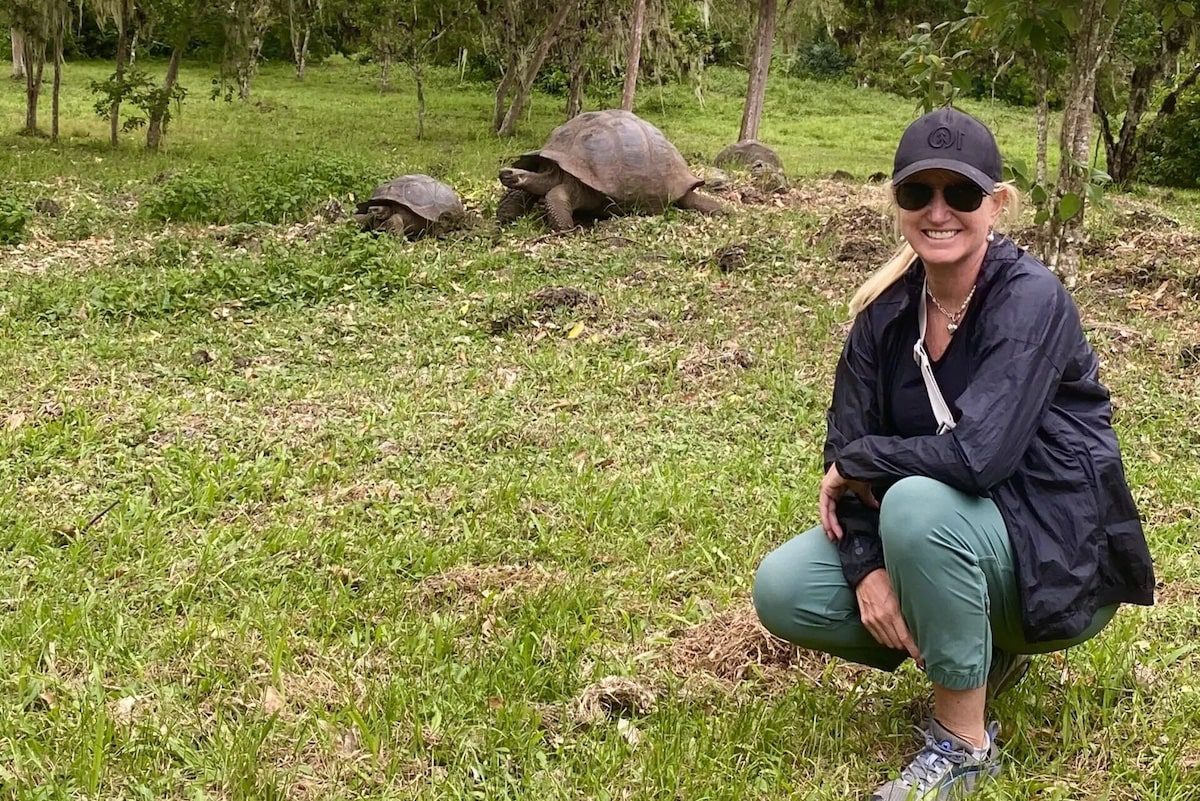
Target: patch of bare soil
472,582
1145,258
732,645
540,305
41,254
702,360
859,235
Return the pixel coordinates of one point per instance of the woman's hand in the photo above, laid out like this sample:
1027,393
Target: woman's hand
833,486
880,612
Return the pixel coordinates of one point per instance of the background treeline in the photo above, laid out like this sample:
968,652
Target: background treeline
1136,60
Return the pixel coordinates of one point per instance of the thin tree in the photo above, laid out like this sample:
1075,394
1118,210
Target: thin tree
634,58
523,70
1089,48
17,38
123,14
760,65
303,16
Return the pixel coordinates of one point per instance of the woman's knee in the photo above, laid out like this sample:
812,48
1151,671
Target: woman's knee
912,514
774,593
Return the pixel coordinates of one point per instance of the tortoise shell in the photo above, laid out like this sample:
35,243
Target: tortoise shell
425,196
620,155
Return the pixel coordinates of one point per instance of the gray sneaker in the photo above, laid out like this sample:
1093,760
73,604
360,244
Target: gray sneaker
1006,670
946,768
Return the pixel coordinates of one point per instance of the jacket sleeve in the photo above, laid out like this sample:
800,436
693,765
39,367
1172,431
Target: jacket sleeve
853,414
1027,342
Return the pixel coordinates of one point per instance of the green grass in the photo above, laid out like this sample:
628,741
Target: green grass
325,475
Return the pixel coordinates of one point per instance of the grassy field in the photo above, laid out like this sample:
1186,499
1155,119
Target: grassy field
290,512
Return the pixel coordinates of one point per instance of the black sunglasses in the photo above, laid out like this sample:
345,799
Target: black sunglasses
913,195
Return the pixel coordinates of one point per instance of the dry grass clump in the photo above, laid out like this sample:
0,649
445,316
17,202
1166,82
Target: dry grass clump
475,581
611,698
729,646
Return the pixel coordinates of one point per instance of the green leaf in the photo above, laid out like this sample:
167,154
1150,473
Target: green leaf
961,80
1070,205
1038,195
1041,217
1070,18
1168,16
1187,9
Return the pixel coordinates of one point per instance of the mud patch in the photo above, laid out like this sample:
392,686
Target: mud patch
732,645
539,307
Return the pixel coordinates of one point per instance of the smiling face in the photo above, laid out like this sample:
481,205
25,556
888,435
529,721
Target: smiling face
943,235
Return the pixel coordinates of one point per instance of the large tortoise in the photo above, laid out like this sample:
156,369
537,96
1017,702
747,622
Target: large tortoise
600,164
410,206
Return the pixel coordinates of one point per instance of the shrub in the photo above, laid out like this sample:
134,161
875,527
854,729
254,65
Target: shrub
13,217
188,198
1172,152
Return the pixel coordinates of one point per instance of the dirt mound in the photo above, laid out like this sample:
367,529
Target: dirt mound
729,646
540,304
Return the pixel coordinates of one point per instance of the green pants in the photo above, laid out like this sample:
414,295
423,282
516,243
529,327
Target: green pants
949,559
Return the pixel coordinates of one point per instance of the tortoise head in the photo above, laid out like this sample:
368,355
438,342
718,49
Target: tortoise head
537,182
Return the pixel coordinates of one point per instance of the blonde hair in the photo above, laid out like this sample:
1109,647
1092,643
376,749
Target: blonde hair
904,256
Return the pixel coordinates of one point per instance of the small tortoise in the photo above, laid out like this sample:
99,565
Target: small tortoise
410,206
600,164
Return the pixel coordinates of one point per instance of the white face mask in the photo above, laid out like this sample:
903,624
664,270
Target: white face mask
941,411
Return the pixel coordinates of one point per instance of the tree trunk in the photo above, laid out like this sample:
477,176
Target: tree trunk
633,58
525,87
385,73
35,57
1123,152
302,61
760,65
503,90
156,129
17,37
1042,87
57,47
249,67
123,51
419,78
300,32
575,87
1091,45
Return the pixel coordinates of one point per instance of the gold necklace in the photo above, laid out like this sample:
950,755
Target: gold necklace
955,318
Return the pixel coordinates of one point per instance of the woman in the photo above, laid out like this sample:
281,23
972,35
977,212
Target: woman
974,508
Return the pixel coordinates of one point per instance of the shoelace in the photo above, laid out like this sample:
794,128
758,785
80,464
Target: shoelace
931,764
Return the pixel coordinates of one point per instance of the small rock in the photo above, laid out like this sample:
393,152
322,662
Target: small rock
841,175
716,179
242,362
201,357
877,177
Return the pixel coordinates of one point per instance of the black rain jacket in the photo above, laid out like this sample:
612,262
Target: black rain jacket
1034,434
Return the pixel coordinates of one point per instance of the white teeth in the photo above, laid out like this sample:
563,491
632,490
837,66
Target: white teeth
940,234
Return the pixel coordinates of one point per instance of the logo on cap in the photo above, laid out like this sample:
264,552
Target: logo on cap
943,137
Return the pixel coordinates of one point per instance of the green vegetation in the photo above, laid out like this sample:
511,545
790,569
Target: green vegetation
288,511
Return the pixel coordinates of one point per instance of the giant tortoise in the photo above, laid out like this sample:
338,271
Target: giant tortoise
600,164
410,206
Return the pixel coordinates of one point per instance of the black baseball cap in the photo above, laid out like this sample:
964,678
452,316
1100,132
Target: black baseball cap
949,139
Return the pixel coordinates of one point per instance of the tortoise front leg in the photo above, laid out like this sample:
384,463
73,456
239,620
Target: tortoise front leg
516,203
560,209
702,203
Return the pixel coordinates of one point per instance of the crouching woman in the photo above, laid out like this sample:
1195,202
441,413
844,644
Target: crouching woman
974,510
